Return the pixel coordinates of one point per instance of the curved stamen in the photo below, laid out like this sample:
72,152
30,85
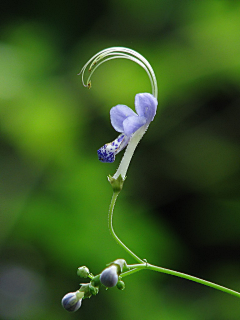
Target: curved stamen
117,53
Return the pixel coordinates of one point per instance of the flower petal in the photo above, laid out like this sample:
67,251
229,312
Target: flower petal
109,150
132,124
118,114
146,106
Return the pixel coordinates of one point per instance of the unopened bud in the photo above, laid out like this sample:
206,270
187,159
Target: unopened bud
83,272
72,301
109,276
121,285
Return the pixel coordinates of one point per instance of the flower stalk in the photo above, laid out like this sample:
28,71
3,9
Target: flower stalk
110,226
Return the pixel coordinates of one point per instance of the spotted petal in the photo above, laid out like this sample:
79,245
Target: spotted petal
109,150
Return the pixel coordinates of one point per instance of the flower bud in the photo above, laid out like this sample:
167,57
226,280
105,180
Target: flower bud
71,302
121,285
109,276
83,272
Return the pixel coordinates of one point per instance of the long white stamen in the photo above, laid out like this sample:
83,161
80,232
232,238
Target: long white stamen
119,53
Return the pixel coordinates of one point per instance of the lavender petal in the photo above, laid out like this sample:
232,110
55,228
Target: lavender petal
118,114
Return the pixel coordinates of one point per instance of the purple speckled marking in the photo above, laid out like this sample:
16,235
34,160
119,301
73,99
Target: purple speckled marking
109,150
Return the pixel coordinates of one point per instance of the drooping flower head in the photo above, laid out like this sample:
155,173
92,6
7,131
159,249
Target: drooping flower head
131,125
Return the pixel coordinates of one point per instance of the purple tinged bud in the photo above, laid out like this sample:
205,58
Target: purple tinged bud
71,302
109,276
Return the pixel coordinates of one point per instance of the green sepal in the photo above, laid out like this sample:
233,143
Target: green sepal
96,281
93,290
117,184
121,264
85,288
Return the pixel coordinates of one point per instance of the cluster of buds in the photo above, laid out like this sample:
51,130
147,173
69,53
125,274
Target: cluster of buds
109,277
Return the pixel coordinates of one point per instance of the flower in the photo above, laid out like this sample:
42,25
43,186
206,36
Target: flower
131,125
126,121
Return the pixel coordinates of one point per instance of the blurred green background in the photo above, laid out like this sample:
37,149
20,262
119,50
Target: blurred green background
180,206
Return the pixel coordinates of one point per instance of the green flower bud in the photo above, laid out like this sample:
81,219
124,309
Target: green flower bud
83,272
121,285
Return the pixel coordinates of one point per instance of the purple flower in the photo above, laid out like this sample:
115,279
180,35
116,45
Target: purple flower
126,121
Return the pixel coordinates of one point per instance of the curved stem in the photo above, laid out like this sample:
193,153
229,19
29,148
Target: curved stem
138,267
110,226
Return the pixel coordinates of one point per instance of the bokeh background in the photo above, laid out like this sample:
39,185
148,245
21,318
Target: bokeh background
180,206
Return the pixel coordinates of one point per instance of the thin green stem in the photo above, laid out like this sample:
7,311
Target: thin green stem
127,273
137,267
110,226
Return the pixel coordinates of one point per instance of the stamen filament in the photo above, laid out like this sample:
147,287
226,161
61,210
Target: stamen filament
117,53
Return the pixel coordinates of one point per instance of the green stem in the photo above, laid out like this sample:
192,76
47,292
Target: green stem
138,267
110,226
144,265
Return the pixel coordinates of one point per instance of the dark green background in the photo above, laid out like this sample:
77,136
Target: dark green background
180,206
